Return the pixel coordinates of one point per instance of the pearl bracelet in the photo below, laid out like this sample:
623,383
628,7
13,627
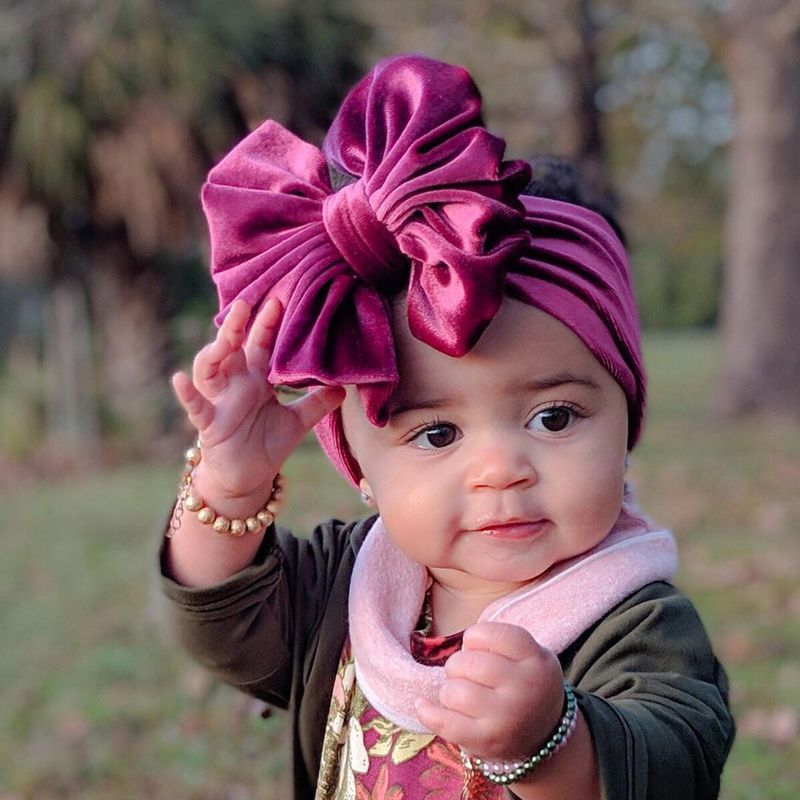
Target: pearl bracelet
504,772
188,501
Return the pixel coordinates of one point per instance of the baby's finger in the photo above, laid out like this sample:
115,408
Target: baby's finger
480,666
230,336
234,325
507,640
466,697
312,407
261,338
450,725
198,409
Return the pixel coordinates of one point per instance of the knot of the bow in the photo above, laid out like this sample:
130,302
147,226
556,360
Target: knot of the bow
363,240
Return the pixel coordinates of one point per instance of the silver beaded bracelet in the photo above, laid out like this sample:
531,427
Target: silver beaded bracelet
504,772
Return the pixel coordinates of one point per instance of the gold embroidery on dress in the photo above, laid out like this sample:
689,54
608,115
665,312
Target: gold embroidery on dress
334,781
345,755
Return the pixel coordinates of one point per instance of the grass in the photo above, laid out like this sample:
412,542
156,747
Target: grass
97,704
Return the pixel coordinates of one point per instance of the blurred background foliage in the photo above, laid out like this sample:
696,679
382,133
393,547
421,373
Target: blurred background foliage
111,114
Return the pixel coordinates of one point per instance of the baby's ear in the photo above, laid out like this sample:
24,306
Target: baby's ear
366,493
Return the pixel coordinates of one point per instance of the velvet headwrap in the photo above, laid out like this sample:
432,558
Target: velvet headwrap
432,211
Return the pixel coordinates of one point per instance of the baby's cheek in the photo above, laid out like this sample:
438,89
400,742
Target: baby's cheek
400,503
595,504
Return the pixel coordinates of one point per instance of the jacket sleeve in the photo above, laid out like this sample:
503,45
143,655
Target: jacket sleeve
655,699
254,630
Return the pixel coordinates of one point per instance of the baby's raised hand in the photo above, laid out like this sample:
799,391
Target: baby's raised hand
245,433
503,694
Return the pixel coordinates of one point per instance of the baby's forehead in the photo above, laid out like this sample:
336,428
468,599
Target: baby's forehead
521,347
518,329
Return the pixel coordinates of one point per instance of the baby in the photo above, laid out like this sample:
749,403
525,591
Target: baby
505,625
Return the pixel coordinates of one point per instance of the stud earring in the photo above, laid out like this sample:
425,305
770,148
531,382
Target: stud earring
366,493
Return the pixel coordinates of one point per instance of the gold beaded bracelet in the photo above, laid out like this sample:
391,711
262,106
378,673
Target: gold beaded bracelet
187,501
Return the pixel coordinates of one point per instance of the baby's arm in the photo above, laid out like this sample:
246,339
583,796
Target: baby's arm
655,698
245,435
653,722
274,627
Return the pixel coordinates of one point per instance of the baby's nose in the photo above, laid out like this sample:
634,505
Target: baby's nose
502,461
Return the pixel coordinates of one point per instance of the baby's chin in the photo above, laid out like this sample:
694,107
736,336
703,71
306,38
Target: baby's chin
486,582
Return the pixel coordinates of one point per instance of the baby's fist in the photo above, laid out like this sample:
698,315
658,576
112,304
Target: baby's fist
502,696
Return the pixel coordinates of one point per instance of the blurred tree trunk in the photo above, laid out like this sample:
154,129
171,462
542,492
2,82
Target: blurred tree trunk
761,283
129,309
112,114
73,426
572,36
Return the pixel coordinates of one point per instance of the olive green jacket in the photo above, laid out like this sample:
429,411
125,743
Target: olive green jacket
653,693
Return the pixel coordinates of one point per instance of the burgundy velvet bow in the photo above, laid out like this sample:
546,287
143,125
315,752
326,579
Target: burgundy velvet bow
433,211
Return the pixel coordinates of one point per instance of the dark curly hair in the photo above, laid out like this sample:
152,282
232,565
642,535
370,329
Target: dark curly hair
558,179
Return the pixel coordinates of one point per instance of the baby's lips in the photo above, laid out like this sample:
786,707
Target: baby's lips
492,520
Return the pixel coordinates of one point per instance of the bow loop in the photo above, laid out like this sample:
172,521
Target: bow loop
265,206
412,130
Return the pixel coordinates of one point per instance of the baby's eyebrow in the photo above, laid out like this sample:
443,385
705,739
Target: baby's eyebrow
404,406
419,404
555,380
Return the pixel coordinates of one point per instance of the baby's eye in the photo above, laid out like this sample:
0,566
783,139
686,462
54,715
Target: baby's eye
435,436
554,419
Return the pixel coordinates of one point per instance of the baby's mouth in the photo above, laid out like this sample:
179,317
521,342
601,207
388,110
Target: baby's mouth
511,528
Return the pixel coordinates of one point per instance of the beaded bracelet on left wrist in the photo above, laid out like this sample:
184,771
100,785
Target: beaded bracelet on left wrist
190,501
504,773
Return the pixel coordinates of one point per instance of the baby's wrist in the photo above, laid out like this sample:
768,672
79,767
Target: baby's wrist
232,512
504,772
228,500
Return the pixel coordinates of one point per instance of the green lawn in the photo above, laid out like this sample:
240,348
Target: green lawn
95,703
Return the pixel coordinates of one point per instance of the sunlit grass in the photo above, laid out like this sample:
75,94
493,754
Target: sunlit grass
94,703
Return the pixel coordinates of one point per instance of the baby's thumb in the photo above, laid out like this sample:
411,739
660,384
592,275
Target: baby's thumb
312,407
428,713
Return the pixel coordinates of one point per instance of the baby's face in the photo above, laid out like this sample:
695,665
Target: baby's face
497,465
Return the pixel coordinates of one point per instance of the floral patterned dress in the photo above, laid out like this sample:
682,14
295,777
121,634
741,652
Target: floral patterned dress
367,757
